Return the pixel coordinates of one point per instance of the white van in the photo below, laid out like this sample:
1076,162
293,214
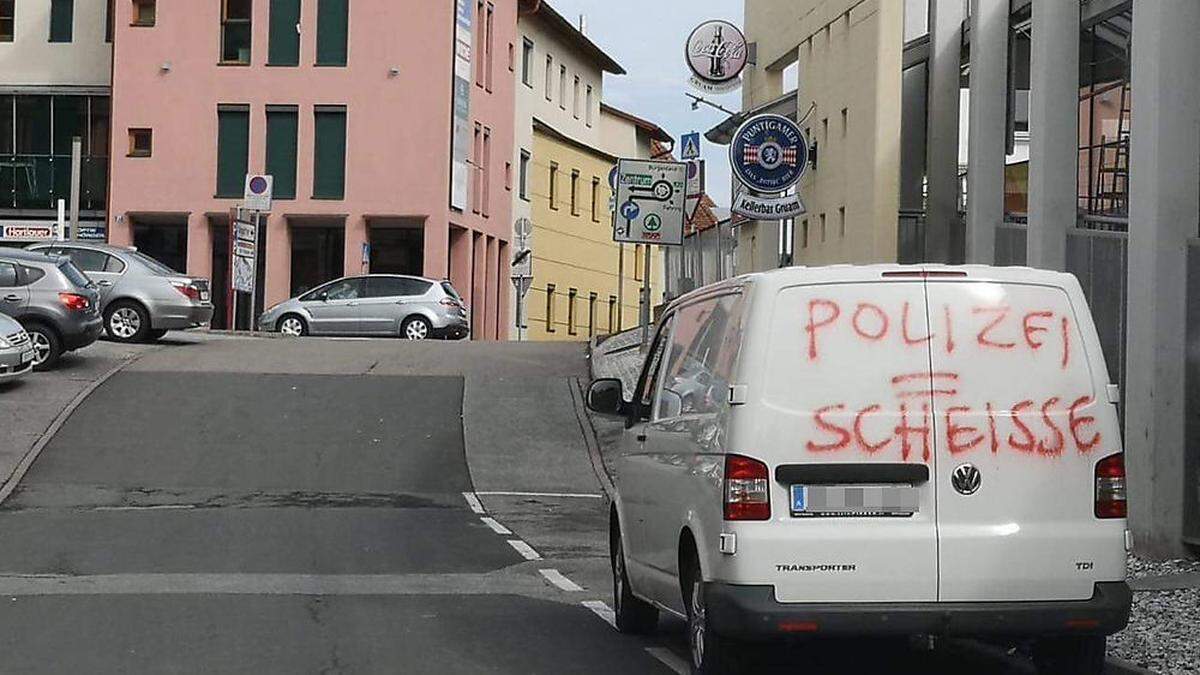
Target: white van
923,450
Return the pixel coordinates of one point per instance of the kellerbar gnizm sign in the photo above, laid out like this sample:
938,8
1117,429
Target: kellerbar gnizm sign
768,155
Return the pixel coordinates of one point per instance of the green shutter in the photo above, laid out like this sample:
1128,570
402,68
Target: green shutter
329,153
62,20
282,128
333,18
233,150
284,47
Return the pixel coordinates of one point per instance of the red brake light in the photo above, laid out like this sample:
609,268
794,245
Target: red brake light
1110,487
747,489
74,301
925,274
189,291
449,302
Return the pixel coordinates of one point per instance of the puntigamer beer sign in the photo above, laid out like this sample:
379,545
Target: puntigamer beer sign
768,155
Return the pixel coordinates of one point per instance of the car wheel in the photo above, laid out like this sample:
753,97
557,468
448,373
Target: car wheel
633,615
47,346
1082,655
126,321
416,328
157,334
292,325
711,654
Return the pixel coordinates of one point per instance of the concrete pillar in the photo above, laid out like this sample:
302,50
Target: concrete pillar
941,168
356,234
199,246
1053,131
478,286
279,259
1164,203
492,289
987,128
507,295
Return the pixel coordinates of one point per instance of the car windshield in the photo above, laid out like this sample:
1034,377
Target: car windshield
74,274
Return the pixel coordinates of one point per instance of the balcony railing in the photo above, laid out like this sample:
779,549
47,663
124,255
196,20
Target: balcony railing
36,182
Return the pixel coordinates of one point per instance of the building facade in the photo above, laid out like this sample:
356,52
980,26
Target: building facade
352,107
55,72
567,143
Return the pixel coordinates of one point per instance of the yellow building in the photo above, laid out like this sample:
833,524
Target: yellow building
577,290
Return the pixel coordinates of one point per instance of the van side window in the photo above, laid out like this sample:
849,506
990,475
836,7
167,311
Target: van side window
703,352
648,382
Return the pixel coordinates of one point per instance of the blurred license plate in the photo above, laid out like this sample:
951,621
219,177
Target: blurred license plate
204,296
27,357
853,500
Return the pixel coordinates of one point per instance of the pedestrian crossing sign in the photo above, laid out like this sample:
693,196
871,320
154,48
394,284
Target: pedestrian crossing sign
690,146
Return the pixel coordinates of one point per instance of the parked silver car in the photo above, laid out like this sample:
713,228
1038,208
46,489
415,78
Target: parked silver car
413,308
53,300
141,299
16,350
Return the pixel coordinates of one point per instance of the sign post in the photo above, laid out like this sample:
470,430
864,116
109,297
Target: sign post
522,270
244,240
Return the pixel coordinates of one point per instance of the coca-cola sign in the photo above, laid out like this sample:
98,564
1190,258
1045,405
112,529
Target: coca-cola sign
717,54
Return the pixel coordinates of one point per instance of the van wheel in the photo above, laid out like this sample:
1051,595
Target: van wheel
711,654
634,615
1083,655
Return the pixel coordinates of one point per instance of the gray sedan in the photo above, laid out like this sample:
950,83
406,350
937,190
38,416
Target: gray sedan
16,350
141,298
413,308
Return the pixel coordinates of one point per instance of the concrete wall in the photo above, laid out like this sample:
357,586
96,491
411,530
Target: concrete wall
31,59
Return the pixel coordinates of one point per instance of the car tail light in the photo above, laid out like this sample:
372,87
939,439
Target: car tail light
450,302
747,489
189,291
74,301
1110,487
925,274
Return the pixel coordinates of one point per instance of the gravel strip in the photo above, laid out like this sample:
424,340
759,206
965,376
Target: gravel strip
1164,627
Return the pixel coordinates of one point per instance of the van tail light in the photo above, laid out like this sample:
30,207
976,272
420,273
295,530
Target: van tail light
1110,487
188,290
747,489
74,301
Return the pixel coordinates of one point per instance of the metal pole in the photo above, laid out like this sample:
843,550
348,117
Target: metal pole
235,216
62,220
76,176
645,308
620,285
254,275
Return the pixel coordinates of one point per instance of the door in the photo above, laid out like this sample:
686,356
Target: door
336,309
389,301
14,294
841,414
1021,422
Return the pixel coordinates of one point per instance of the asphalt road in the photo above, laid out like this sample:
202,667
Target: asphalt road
297,506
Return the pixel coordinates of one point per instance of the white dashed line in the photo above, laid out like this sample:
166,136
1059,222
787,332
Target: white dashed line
548,495
524,549
669,659
152,507
474,502
601,610
561,581
496,526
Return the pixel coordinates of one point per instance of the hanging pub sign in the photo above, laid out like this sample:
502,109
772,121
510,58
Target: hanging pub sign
717,54
768,155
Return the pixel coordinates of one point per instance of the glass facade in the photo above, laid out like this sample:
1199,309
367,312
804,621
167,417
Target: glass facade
36,133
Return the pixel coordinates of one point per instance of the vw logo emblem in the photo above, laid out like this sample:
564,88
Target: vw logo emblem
966,479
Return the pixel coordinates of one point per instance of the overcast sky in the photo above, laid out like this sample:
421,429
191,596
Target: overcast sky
647,38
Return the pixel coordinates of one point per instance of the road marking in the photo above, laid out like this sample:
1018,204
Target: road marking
151,507
601,610
548,495
495,525
561,581
669,659
524,549
474,502
14,584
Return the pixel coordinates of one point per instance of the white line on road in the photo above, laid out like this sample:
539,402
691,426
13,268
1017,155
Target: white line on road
474,502
524,549
601,610
150,507
495,525
24,585
561,581
669,659
548,495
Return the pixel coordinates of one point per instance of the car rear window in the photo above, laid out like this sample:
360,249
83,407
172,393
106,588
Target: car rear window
154,265
74,275
450,290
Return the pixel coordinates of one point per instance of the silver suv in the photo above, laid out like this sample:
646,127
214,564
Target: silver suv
413,308
16,350
54,301
140,298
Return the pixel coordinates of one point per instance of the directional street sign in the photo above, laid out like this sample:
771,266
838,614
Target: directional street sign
650,198
690,145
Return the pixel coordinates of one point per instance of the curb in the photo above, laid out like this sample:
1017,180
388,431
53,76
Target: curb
32,454
589,438
1122,667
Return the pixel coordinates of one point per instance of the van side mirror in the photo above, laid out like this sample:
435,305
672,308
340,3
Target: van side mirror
607,397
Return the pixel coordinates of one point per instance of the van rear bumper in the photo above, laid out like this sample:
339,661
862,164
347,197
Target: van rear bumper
752,612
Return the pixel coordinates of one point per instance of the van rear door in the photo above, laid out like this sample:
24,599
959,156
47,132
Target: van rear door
844,424
1021,418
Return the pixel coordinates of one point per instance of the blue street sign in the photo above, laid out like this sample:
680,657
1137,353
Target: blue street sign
612,179
630,210
690,145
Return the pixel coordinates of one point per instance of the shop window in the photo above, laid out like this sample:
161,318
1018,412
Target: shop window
554,185
236,31
62,20
7,20
549,308
329,153
572,296
333,28
283,39
283,125
145,13
233,149
141,142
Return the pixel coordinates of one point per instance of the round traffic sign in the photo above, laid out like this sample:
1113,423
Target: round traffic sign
663,190
653,222
258,185
769,153
630,210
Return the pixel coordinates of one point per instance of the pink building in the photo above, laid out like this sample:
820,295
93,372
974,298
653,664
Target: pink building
351,107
